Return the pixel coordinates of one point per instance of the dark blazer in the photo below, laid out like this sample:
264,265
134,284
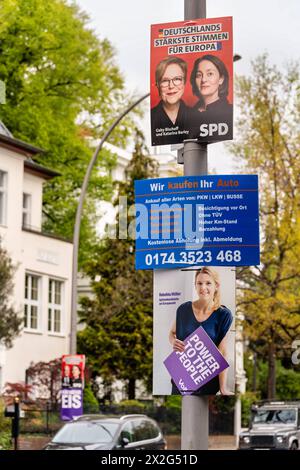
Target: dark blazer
163,131
219,112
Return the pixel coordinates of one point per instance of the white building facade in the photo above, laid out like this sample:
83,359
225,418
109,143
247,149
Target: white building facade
107,211
42,280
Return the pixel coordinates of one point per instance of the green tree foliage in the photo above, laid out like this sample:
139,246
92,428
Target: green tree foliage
268,138
10,320
117,338
287,380
61,81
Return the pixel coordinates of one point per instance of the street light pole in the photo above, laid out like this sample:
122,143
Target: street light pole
195,410
194,9
194,413
76,233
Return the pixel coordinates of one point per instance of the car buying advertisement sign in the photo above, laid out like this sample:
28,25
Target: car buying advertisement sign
208,220
192,81
174,292
72,369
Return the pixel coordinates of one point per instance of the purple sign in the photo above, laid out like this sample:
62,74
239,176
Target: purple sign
200,362
71,403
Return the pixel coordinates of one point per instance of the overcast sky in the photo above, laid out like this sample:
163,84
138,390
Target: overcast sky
260,26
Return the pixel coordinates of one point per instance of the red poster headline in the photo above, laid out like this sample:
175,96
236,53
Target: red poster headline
190,40
72,370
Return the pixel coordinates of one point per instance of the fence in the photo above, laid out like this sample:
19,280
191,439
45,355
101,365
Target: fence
40,421
47,420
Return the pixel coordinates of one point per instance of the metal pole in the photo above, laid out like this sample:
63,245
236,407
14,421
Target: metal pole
194,411
194,9
195,158
48,407
16,424
237,418
76,233
254,371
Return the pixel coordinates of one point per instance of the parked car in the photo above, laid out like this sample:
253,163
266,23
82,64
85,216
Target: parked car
95,432
274,425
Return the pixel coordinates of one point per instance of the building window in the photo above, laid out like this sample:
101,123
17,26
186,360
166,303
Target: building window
3,196
32,302
55,306
26,214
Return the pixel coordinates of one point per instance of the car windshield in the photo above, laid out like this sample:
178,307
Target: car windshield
274,417
88,432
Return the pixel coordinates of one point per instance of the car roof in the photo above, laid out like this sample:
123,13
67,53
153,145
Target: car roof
274,405
111,418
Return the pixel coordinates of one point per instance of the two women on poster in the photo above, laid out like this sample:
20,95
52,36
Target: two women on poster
209,120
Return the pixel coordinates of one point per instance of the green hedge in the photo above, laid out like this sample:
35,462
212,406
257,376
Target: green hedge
5,429
247,399
90,402
168,417
5,440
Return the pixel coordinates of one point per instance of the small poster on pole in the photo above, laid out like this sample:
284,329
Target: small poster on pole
72,386
192,81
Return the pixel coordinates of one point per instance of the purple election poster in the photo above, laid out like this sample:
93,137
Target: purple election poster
199,363
71,403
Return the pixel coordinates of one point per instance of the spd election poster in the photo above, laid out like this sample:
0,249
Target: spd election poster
192,81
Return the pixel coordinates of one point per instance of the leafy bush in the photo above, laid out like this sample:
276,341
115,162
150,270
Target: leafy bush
247,399
5,440
221,404
173,402
287,384
135,405
5,423
90,402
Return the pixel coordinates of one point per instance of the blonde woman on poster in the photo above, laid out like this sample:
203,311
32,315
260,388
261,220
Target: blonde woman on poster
215,319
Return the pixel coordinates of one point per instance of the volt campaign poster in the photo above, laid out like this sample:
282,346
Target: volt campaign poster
199,366
192,81
210,220
72,376
200,362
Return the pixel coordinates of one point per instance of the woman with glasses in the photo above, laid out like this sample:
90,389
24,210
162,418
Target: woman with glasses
212,115
169,117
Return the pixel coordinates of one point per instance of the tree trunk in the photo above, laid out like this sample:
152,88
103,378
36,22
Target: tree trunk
131,389
272,372
254,372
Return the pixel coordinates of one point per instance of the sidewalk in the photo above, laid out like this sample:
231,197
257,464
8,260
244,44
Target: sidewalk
33,442
173,441
214,442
